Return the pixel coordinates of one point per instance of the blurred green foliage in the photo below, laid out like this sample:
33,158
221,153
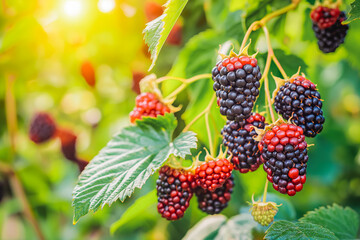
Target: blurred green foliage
42,47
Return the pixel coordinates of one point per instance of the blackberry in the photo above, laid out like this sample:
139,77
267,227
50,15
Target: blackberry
324,17
215,202
330,38
42,128
284,154
239,138
68,144
147,104
212,174
174,191
236,83
299,100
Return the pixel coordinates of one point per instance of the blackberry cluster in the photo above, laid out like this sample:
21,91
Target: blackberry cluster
213,174
147,104
330,33
42,128
239,138
299,100
236,82
174,191
284,154
215,202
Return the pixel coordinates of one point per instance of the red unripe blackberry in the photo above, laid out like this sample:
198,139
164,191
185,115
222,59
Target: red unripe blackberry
212,174
174,191
299,100
284,154
88,73
42,128
239,138
215,202
147,105
236,82
329,30
324,17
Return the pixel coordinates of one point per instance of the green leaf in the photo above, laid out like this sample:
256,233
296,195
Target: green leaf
343,222
216,12
127,162
238,227
299,230
156,31
354,12
136,210
206,227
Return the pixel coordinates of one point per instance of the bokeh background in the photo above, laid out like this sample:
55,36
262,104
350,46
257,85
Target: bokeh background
44,45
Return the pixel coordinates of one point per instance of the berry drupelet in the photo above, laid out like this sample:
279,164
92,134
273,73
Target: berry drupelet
147,104
236,82
328,28
174,191
284,154
299,100
215,202
42,128
239,138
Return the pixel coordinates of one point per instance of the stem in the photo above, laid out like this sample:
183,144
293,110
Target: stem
19,192
247,34
207,109
278,65
211,146
185,83
265,190
10,106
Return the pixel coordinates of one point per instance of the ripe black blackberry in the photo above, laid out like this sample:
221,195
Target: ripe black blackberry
330,38
42,128
236,82
215,202
239,138
174,191
284,154
298,98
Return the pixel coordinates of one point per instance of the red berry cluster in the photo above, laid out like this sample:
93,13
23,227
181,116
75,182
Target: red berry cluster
284,154
213,174
147,104
325,17
174,191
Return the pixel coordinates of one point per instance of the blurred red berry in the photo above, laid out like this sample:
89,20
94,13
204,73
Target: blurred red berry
42,128
137,76
152,10
68,144
88,73
175,36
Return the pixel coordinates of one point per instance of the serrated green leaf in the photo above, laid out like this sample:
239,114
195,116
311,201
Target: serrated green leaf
127,162
343,222
354,12
283,230
156,31
136,210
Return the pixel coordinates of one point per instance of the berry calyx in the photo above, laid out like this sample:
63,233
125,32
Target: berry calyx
148,104
236,83
42,128
239,138
298,99
215,202
213,173
284,154
263,212
174,190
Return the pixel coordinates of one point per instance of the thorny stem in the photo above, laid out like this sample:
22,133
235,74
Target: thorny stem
257,24
206,110
185,83
19,192
211,146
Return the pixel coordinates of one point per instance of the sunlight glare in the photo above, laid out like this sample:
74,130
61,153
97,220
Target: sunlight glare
73,8
106,6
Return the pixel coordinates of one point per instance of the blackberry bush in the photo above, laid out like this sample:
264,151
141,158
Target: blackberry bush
215,202
239,138
328,28
42,128
299,100
284,154
236,83
147,104
174,191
